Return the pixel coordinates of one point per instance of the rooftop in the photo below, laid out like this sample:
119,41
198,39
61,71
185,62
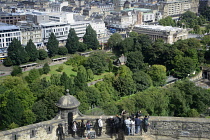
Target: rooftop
159,27
4,27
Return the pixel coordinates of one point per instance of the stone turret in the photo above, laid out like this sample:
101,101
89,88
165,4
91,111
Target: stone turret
68,106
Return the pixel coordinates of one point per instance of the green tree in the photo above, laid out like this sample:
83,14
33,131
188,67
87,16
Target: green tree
13,111
110,66
33,75
90,75
127,45
97,62
133,34
82,47
16,71
158,74
72,42
46,68
167,21
17,53
142,80
52,95
93,95
197,29
32,51
62,51
82,97
81,78
64,80
114,40
42,54
28,117
135,61
90,38
52,45
124,83
183,66
55,79
40,111
7,62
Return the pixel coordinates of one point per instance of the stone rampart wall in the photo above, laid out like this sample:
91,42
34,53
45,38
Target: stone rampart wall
39,131
171,127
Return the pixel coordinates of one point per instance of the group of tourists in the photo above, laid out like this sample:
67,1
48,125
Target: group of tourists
126,124
129,124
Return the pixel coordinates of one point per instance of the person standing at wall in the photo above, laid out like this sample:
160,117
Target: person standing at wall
137,124
59,132
146,123
100,125
74,129
82,129
128,125
132,126
87,129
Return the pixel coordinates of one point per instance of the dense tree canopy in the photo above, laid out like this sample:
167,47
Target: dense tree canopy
90,38
32,51
72,43
52,45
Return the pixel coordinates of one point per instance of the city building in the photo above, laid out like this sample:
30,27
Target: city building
80,27
60,30
167,33
57,6
66,17
173,8
7,33
11,18
99,27
31,31
37,17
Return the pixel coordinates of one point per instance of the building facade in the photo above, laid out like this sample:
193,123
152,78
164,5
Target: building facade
167,33
11,18
60,30
7,34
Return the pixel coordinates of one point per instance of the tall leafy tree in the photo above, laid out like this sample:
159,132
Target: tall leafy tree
142,80
42,54
32,51
16,71
158,74
114,42
46,68
13,111
72,42
97,63
90,75
135,61
52,45
90,38
124,82
33,75
17,53
81,79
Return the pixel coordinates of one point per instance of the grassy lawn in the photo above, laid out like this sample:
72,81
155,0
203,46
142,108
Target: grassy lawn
68,70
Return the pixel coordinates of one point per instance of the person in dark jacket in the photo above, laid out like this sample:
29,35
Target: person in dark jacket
137,125
146,123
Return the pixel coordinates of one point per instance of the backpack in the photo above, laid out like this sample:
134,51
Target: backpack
146,122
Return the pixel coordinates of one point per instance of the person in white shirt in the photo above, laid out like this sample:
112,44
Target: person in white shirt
132,126
128,125
100,124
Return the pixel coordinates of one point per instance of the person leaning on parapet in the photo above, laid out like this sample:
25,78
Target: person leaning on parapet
87,128
59,132
128,125
100,125
117,122
82,129
146,123
137,125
